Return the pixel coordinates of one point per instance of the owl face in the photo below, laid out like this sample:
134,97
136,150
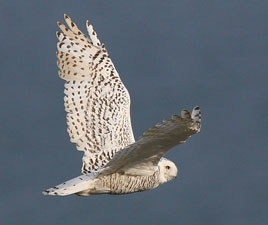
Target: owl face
168,170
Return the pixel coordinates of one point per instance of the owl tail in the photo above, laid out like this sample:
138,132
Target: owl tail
72,186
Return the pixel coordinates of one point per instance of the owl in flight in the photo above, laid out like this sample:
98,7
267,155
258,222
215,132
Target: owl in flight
98,118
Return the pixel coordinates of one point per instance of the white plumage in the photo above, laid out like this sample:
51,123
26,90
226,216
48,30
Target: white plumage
98,118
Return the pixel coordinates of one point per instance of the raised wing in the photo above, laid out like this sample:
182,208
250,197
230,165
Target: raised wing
142,157
96,101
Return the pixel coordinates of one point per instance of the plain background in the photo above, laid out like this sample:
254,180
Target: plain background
171,55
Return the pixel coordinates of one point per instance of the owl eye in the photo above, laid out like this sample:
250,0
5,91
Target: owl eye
167,167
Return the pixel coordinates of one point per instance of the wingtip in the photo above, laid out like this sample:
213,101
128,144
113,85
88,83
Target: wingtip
59,23
196,113
65,16
88,23
196,116
185,114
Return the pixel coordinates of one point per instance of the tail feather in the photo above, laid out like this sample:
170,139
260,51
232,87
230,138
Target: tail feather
72,186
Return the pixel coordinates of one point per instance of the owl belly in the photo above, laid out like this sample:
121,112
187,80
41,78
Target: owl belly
122,184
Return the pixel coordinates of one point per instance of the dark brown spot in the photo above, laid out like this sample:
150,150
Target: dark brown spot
62,43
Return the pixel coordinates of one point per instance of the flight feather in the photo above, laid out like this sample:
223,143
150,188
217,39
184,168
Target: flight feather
96,101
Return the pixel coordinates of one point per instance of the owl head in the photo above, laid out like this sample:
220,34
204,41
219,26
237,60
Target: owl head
168,170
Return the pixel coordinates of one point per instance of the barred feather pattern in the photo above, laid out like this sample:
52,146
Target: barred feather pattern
96,101
122,184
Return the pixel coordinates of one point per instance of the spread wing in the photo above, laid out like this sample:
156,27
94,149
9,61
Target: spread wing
96,101
142,157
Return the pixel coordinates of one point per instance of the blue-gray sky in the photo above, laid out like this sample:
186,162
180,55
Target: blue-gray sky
171,55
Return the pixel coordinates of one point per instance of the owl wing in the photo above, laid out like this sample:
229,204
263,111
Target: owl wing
142,157
96,101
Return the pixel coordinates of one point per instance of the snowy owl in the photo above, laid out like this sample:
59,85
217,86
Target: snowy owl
98,118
